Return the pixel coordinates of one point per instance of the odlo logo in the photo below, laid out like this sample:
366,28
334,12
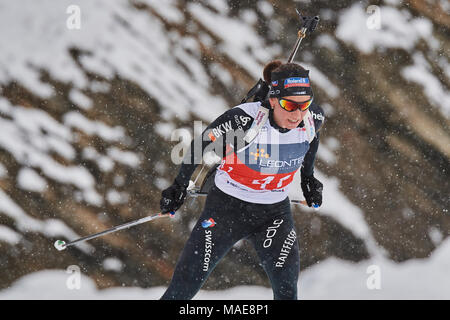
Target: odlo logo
271,232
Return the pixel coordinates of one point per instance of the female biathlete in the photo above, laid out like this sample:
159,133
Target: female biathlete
249,199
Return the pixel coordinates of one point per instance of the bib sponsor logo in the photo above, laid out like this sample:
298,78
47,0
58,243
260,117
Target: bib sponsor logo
280,163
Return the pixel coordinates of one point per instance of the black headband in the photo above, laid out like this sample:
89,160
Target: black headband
290,84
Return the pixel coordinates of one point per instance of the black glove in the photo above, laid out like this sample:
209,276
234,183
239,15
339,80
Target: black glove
172,198
312,190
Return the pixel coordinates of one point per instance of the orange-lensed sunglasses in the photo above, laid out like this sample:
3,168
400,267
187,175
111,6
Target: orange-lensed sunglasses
291,106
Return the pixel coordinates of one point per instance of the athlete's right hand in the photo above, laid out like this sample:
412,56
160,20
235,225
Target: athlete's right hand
172,198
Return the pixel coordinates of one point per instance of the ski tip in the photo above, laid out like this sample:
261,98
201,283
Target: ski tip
60,245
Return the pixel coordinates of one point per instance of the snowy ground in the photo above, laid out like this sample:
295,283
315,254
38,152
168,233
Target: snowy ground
331,279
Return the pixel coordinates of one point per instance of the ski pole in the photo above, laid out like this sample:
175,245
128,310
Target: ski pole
308,26
61,245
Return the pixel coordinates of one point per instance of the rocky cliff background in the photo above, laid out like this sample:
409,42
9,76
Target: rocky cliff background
88,106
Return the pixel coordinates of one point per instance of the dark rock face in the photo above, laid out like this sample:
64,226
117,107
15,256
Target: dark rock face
390,147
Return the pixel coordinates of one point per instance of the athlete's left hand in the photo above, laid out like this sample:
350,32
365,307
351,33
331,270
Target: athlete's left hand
172,198
312,190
